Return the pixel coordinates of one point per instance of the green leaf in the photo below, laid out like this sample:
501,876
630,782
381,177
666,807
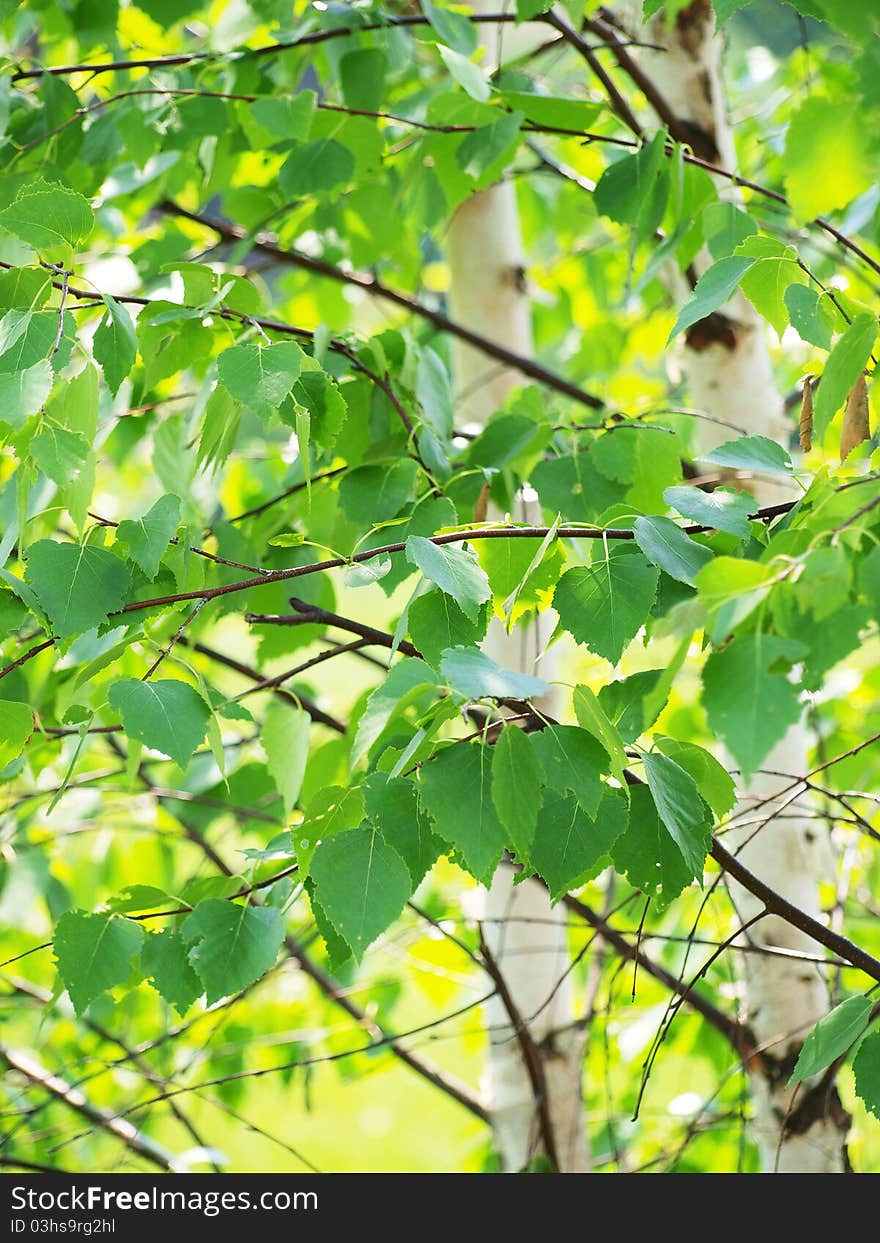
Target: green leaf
827,161
766,282
569,844
115,344
165,963
23,393
554,111
713,781
680,808
603,605
593,717
405,680
167,715
468,75
392,806
331,810
479,150
362,75
437,623
454,29
285,118
526,9
456,790
517,778
47,215
866,1070
260,376
808,315
94,953
474,674
373,494
454,571
722,509
77,586
831,1037
362,884
647,855
715,287
316,167
665,544
231,945
147,538
285,738
572,759
845,364
626,189
751,453
748,704
326,406
725,225
16,727
59,453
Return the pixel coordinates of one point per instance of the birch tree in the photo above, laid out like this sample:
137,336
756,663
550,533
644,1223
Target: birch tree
438,693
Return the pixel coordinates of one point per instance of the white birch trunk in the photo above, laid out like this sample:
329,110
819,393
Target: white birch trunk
732,378
526,937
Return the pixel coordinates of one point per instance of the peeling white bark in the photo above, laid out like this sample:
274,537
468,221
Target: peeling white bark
732,379
526,936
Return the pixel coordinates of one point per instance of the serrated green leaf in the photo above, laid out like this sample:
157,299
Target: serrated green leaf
331,810
593,717
362,884
827,163
681,809
845,364
260,376
572,759
437,623
167,715
456,30
147,538
23,393
94,953
517,779
474,674
712,779
603,605
468,75
16,727
722,509
77,586
374,494
479,150
666,545
866,1070
747,704
456,790
454,571
47,215
808,316
568,843
231,945
115,344
392,806
715,287
285,738
165,964
647,855
831,1037
316,167
751,453
60,454
405,680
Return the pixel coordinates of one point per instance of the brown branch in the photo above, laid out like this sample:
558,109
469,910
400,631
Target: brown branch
320,267
37,1075
776,904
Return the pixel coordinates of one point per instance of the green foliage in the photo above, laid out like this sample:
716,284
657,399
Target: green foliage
230,362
